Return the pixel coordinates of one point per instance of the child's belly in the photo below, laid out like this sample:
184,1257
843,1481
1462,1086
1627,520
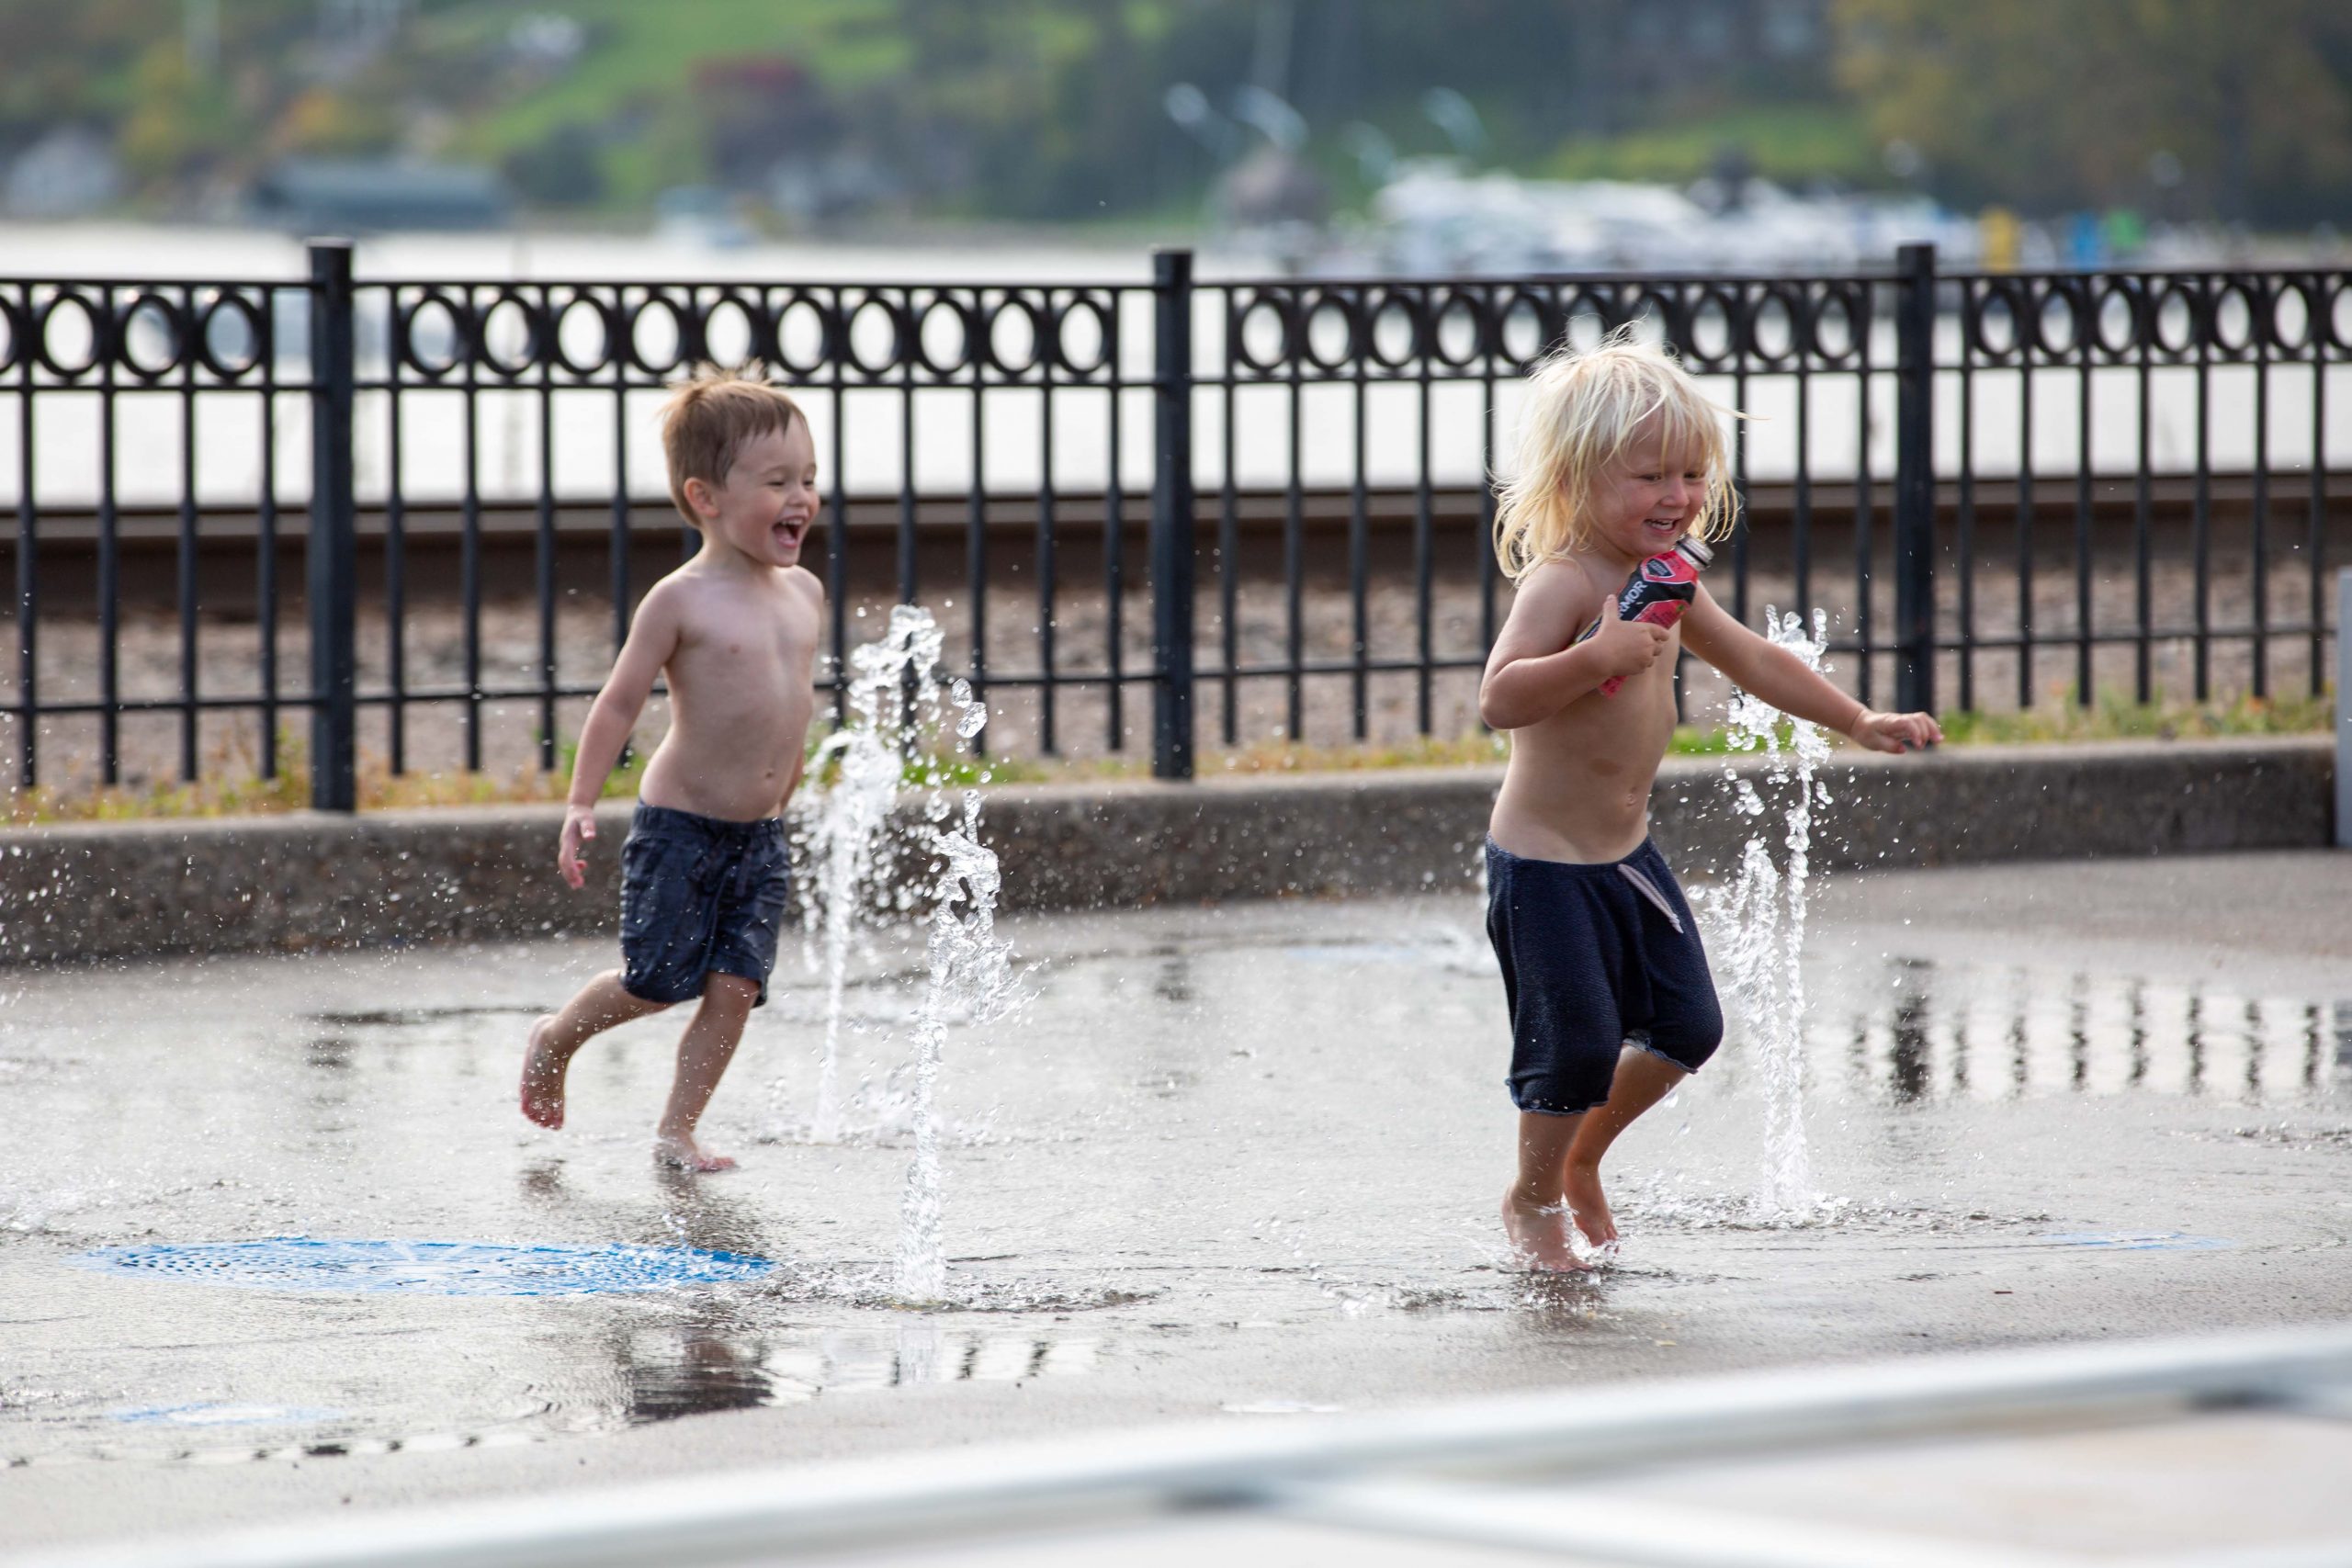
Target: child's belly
1579,785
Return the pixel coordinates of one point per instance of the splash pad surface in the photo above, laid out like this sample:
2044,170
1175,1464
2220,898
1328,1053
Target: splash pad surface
1231,1164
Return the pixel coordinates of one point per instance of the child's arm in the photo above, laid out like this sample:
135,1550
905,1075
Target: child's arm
1779,677
1537,666
652,638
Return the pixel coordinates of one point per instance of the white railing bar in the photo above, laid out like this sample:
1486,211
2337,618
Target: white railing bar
1590,1429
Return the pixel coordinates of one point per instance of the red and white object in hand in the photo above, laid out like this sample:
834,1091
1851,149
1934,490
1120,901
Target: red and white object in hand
1659,591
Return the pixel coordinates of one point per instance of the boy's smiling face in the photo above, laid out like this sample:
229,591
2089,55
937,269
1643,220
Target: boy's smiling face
1647,497
768,502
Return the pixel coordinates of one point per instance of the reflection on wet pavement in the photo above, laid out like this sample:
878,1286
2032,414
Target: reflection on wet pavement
692,1370
1931,1031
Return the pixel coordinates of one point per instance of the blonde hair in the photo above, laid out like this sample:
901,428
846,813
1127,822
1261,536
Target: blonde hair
1584,409
709,417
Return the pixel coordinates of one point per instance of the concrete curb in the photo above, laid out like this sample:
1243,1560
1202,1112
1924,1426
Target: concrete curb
111,889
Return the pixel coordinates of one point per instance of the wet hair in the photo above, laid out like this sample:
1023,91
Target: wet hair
709,418
1585,408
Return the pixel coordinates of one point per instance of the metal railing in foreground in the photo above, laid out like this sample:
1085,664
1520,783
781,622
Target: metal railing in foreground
1470,1473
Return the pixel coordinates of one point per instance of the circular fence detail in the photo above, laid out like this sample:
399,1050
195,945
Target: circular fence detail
304,1265
230,335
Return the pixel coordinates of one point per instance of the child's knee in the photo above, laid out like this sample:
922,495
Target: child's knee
729,993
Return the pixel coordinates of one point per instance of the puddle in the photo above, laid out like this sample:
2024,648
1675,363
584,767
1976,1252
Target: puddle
675,1372
426,1268
1915,1031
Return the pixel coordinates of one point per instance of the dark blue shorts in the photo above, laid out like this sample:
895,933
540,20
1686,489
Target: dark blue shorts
1595,957
699,895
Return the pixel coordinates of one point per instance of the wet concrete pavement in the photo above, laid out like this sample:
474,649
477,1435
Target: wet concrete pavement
1240,1160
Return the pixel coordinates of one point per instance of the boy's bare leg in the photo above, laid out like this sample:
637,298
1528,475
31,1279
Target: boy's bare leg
1640,1082
598,1006
1535,1211
704,1051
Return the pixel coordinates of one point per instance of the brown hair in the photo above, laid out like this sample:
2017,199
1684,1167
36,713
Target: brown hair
708,420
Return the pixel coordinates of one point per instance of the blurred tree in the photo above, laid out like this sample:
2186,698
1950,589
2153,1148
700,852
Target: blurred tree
2244,106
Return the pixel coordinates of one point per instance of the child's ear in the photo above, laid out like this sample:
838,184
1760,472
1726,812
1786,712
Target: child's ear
699,497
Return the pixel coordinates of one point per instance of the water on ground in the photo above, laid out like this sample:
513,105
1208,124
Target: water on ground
1240,1161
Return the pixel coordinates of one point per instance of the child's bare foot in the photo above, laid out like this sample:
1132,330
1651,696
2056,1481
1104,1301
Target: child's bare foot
542,1079
1539,1235
1581,1183
680,1152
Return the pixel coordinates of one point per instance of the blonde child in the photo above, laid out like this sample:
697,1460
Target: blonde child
1611,1004
703,871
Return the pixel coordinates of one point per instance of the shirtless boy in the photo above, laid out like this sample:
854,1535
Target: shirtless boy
1611,1000
734,633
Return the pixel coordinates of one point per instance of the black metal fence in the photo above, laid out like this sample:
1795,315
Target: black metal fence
1265,501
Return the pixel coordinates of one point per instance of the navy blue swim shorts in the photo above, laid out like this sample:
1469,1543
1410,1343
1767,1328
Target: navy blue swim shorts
698,897
1595,957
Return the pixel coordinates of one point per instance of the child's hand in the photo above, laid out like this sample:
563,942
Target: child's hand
579,825
1895,731
1626,648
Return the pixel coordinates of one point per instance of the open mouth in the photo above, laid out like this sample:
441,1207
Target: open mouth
790,532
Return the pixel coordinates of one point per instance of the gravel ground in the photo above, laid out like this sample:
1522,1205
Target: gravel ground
435,733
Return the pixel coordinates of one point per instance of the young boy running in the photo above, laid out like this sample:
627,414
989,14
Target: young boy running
703,872
1611,1001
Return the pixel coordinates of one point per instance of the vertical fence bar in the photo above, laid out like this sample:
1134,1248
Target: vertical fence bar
1048,566
2201,520
616,539
1359,554
2086,332
976,514
2025,519
1229,545
469,543
2264,308
2317,518
27,581
2343,710
1171,514
1914,478
109,555
1424,554
1294,532
266,565
1865,504
1114,552
2142,582
185,563
542,534
395,564
1965,518
329,560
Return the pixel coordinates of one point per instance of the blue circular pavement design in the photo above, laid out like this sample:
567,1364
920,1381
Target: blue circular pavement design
427,1268
2142,1241
219,1414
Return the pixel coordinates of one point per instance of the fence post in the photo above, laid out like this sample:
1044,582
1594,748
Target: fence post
2343,711
330,556
1914,478
1171,514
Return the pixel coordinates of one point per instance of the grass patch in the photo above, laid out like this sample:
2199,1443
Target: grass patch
232,785
2114,718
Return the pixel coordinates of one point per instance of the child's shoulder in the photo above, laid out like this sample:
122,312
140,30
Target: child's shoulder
1564,578
806,583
